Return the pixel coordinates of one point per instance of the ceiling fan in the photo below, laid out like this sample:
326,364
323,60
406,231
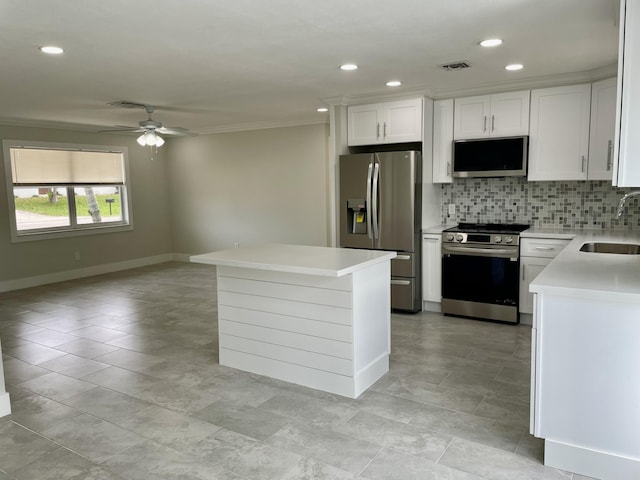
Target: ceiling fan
149,127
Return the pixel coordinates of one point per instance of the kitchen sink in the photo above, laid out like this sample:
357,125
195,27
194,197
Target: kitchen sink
603,247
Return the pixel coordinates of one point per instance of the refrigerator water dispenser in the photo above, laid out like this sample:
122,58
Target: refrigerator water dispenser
357,216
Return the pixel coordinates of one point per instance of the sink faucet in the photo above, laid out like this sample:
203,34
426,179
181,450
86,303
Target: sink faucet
624,199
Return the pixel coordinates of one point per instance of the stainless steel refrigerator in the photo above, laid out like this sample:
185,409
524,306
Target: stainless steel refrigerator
380,209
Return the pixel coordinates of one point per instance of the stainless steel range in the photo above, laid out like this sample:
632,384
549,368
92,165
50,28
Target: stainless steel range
481,271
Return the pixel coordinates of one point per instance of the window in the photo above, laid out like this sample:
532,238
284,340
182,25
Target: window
57,190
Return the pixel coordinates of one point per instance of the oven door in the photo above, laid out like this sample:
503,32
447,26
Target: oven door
481,281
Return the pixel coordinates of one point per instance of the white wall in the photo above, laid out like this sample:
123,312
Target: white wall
151,235
249,187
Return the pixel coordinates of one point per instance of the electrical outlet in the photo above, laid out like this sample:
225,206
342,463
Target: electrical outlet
76,256
452,209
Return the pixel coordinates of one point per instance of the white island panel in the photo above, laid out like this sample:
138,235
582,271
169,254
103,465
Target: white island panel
295,319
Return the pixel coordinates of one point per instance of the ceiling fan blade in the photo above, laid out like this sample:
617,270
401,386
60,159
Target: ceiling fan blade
174,131
124,130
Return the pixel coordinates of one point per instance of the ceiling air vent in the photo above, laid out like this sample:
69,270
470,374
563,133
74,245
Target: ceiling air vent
455,66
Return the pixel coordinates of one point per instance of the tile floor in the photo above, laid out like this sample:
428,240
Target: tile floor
116,377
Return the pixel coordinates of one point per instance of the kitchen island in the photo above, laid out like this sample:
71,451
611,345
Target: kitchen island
585,377
314,316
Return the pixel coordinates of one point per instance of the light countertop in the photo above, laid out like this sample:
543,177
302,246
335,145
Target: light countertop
595,275
437,229
323,261
555,233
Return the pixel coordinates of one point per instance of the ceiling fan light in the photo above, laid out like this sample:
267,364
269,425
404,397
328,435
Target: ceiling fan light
150,138
142,140
159,141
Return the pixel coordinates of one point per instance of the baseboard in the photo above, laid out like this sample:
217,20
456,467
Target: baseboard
5,406
431,307
370,374
589,462
9,285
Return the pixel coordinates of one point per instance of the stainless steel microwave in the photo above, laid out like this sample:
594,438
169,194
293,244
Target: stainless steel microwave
491,157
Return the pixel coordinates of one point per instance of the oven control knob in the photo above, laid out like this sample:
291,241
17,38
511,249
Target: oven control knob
498,239
459,237
509,240
450,237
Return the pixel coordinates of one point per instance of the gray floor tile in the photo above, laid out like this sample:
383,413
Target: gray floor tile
333,448
38,413
485,386
150,460
86,348
106,404
172,396
48,338
169,428
17,371
57,386
412,389
245,456
73,365
321,412
121,380
531,447
98,334
309,469
393,465
63,464
34,353
471,427
249,421
19,446
504,410
496,464
388,406
410,439
92,437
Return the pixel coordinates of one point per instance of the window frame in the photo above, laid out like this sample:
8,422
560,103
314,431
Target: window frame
75,229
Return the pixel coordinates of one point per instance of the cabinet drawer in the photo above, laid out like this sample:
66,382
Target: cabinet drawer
541,247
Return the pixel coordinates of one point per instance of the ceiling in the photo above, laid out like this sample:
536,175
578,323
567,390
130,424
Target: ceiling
222,65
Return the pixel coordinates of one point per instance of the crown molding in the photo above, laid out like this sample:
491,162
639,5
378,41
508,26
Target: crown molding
241,127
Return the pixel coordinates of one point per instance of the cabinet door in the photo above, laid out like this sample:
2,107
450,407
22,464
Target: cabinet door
431,268
442,141
603,125
530,268
471,117
364,124
627,142
559,133
402,121
509,114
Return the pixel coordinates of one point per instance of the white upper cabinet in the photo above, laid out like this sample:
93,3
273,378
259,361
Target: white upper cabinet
602,132
389,122
559,133
442,141
627,141
499,115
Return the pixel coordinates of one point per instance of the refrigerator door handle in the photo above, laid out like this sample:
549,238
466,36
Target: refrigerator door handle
368,202
374,200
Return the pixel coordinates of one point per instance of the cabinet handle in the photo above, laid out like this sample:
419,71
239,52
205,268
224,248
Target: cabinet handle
583,162
403,257
544,248
609,152
384,130
493,123
378,130
400,282
484,124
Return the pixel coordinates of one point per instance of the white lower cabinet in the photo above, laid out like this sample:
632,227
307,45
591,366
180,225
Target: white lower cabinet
535,255
431,268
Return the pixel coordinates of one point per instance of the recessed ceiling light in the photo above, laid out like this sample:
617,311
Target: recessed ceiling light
491,42
51,50
514,66
394,83
322,109
349,66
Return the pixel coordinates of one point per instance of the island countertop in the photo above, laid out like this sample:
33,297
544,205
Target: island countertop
603,275
310,260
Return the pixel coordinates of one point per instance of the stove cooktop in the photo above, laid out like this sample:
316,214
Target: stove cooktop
508,228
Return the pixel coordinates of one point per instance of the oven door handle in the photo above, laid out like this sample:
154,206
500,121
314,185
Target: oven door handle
481,252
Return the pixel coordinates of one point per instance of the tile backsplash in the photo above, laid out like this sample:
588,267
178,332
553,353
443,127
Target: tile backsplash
568,204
